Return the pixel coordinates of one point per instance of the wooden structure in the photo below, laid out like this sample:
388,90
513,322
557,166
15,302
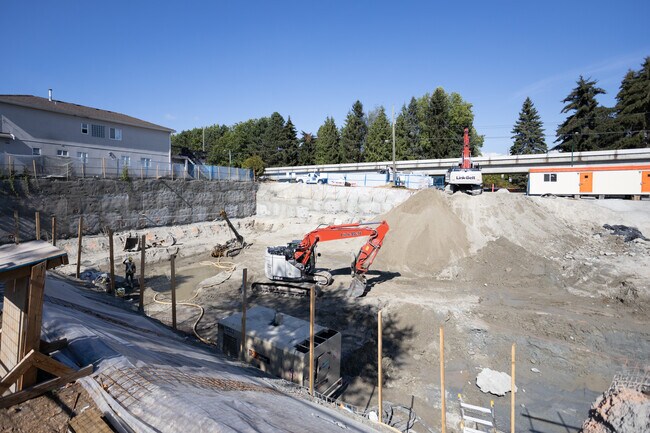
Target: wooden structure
22,352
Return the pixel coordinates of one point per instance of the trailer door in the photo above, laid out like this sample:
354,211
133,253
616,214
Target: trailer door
586,182
645,181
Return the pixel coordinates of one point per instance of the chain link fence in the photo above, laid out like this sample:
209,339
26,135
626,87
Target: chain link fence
105,168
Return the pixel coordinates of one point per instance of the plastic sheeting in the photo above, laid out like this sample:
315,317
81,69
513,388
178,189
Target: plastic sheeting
149,379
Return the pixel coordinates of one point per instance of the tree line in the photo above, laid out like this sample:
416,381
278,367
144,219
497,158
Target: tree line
428,127
589,125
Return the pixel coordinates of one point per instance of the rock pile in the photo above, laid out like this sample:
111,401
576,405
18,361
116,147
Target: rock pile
619,411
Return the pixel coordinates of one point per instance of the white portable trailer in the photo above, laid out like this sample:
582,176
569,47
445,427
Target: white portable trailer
600,181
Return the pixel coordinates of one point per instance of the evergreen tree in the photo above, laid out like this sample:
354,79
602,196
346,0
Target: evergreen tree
353,135
633,109
378,141
273,141
407,133
528,132
328,143
290,150
307,149
578,131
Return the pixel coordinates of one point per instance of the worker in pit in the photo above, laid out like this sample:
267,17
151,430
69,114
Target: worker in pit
129,270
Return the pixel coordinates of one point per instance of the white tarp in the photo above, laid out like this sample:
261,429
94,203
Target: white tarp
155,381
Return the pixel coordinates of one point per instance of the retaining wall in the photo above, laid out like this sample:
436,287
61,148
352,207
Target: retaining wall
120,205
295,200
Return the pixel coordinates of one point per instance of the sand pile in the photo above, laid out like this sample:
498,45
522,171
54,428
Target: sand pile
425,235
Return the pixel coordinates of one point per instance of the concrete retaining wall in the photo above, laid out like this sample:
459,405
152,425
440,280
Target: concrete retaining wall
294,200
120,205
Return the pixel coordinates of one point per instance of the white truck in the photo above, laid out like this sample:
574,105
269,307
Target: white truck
313,177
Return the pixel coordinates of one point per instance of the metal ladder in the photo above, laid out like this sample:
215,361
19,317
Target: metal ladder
477,415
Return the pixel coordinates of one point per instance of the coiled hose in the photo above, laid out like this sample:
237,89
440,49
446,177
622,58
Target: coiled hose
227,268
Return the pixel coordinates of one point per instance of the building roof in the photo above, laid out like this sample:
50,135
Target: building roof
77,110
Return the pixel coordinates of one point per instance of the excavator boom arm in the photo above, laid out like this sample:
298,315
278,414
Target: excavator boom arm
376,231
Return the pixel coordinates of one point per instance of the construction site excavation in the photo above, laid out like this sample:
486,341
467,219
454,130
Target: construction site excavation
369,309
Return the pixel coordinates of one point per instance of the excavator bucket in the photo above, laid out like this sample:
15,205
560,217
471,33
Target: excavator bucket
357,286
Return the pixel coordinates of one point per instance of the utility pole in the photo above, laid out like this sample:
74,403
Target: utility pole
203,145
229,158
394,167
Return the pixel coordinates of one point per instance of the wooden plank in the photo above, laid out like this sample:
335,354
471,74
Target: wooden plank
54,231
90,421
42,388
27,254
13,327
111,259
17,371
50,365
143,246
25,271
173,288
79,240
37,222
34,317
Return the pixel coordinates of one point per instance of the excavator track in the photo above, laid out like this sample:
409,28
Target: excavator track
294,289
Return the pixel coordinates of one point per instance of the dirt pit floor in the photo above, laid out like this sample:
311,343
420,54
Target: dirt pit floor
493,270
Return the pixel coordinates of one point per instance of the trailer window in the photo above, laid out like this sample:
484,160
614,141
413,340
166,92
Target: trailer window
553,177
546,177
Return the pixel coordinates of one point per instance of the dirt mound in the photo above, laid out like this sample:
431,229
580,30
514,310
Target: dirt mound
425,235
620,411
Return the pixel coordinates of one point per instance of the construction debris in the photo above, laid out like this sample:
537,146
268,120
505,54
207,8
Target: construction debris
630,233
619,411
494,382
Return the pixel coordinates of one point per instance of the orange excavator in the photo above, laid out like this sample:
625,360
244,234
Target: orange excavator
296,262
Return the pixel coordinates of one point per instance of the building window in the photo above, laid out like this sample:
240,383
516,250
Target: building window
36,150
126,160
115,134
84,128
83,156
98,131
145,162
62,153
550,177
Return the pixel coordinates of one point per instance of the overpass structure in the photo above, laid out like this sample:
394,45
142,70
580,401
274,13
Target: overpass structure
489,164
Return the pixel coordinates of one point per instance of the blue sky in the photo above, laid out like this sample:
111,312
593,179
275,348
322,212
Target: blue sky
187,64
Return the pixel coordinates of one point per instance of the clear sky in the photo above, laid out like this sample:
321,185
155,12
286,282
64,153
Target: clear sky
184,64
